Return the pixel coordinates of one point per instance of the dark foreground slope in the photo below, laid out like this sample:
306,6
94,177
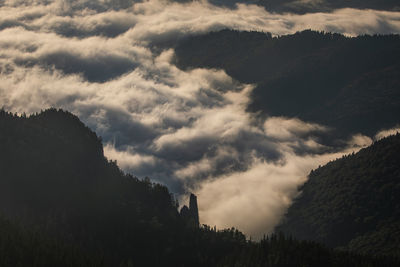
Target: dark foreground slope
24,247
280,251
55,180
62,203
351,84
353,202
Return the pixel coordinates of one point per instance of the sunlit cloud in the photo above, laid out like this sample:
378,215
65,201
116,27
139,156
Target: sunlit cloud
387,132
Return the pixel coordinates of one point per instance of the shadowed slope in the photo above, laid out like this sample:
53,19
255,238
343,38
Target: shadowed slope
351,84
352,202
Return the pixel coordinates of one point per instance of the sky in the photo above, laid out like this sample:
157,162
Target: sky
187,129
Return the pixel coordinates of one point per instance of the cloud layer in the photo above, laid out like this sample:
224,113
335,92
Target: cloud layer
186,129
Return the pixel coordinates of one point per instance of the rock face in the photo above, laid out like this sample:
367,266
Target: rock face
194,210
191,214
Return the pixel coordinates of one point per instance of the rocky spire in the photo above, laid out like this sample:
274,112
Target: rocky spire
194,210
191,214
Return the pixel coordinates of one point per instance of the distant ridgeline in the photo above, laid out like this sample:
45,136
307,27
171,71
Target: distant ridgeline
353,202
62,203
327,5
301,7
350,84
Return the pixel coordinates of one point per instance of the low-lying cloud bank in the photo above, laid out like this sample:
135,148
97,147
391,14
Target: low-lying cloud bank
186,129
387,132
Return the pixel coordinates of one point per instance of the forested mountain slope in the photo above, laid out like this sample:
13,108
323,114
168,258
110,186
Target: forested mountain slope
326,5
25,247
302,7
350,84
352,202
62,203
56,181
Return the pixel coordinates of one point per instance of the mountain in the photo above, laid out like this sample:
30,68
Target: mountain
302,7
56,181
24,247
310,6
349,84
353,202
278,250
62,203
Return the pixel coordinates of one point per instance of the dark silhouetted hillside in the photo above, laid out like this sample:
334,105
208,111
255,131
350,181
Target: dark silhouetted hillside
352,202
302,7
326,5
62,203
351,84
23,247
56,180
278,250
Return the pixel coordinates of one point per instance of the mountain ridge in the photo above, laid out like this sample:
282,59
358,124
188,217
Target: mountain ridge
352,202
59,208
349,84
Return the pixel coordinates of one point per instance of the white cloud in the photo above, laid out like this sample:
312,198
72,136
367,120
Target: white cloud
359,140
386,133
289,128
128,159
256,199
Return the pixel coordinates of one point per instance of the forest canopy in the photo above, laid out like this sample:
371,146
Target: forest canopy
63,203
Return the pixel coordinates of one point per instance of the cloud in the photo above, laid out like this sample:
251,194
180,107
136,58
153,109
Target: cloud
128,159
256,199
96,58
387,132
186,129
109,24
289,128
95,68
166,23
359,140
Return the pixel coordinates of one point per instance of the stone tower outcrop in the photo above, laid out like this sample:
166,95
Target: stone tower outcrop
191,213
194,210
